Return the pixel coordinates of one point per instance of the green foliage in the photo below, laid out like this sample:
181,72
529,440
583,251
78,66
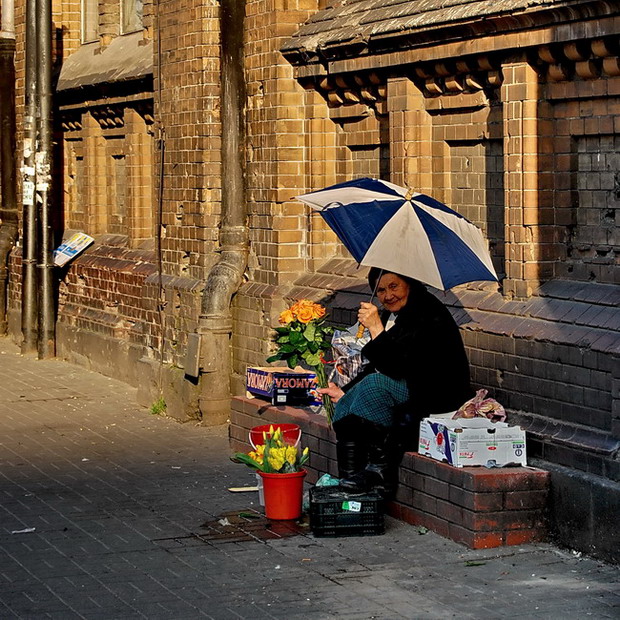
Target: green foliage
159,406
306,342
304,337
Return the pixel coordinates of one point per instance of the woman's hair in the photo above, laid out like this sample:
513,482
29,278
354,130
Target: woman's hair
415,286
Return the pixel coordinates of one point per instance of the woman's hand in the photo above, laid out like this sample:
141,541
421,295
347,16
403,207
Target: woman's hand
333,391
368,316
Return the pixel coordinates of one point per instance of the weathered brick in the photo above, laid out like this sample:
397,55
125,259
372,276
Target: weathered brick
404,495
476,501
506,479
436,488
525,500
449,512
523,537
434,523
475,540
406,477
504,520
424,503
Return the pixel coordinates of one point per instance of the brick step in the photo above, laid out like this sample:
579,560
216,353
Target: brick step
476,506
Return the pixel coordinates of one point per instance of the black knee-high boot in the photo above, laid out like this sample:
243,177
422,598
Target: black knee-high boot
379,472
351,458
351,446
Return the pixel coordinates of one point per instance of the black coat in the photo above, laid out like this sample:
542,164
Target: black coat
425,348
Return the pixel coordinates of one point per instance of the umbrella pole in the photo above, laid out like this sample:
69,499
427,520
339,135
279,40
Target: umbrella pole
361,329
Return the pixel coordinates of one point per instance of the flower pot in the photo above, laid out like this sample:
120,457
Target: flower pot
291,433
283,494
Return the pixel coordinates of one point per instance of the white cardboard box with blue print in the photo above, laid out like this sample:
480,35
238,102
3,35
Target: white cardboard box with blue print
282,385
474,441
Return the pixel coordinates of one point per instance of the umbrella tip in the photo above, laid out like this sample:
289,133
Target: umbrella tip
409,194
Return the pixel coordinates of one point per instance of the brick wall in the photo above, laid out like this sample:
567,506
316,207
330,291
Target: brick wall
476,133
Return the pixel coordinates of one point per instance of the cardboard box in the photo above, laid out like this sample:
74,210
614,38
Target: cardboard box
472,441
283,386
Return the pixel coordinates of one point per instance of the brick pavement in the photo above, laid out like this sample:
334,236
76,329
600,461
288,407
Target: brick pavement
118,498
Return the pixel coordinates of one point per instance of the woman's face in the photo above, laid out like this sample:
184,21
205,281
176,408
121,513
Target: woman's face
392,292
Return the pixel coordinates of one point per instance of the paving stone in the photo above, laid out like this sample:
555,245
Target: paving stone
119,498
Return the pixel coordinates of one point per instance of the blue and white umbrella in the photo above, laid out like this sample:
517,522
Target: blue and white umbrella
392,228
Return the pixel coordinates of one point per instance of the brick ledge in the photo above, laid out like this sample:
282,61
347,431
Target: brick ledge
475,506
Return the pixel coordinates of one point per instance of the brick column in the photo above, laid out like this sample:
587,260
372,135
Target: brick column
524,220
410,137
322,159
188,107
96,176
139,187
282,119
109,20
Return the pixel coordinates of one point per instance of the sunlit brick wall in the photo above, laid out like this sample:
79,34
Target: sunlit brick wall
65,39
277,142
69,24
188,109
109,20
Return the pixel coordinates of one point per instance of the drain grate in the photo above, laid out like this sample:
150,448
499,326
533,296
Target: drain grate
248,525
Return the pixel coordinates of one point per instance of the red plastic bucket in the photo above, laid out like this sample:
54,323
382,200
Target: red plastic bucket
283,494
291,433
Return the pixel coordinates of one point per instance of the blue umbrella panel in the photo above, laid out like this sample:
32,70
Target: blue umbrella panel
386,226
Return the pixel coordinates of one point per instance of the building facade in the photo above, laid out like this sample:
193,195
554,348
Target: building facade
186,129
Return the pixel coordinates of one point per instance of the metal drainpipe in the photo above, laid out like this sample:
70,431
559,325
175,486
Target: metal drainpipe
7,23
8,180
29,222
43,162
215,325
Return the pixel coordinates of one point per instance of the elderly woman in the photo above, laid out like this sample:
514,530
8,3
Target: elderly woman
417,366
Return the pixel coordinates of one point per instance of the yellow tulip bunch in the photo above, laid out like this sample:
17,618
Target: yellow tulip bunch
274,456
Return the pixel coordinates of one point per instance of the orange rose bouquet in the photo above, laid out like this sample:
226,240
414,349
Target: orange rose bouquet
304,337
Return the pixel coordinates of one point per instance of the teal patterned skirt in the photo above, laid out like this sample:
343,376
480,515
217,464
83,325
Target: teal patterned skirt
373,398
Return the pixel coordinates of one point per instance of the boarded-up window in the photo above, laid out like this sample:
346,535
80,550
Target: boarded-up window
594,235
131,15
90,20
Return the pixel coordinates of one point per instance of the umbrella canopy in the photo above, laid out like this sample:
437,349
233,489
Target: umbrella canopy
387,226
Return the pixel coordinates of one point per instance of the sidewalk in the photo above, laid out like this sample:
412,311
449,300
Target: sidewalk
119,498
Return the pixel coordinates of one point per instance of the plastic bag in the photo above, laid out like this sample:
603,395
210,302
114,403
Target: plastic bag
326,480
481,407
348,359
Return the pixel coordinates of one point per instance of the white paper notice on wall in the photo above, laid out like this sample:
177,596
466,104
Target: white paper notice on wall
28,193
73,246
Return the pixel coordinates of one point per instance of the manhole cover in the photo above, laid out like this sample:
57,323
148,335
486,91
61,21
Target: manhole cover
242,525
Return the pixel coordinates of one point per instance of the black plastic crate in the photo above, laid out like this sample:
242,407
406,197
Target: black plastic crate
334,512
